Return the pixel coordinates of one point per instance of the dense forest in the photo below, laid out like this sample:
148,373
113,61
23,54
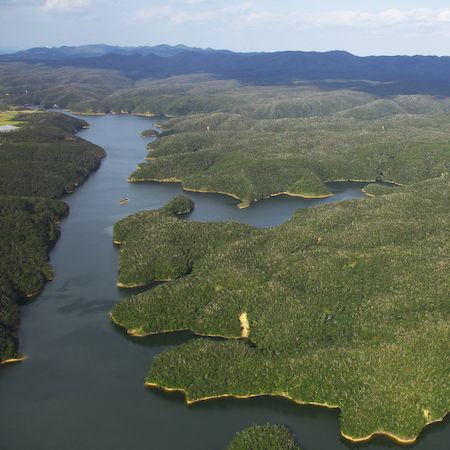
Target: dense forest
40,161
253,159
177,80
344,305
264,437
252,137
335,297
347,306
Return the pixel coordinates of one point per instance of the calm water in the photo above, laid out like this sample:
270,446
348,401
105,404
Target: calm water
82,384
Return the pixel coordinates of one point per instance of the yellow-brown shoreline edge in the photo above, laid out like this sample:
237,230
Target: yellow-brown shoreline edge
6,361
136,334
352,439
326,405
245,205
241,205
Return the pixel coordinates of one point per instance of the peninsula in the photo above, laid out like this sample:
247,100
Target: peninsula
253,159
346,306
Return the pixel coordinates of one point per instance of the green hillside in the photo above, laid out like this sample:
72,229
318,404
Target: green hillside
346,304
253,159
39,162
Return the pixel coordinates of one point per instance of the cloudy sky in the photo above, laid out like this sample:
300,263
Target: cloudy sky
360,27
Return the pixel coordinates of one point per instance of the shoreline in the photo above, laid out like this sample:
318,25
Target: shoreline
384,433
152,333
284,395
50,276
368,195
241,205
6,361
367,181
299,195
393,436
83,113
147,114
244,204
140,285
349,438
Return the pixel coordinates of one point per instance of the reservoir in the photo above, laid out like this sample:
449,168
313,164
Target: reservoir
82,383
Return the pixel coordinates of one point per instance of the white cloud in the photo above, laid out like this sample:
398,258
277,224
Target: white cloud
263,19
239,8
188,2
195,16
444,16
341,18
66,5
173,15
180,16
153,13
419,17
246,16
17,2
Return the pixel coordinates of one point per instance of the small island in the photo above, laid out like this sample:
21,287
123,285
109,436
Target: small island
264,437
149,133
346,306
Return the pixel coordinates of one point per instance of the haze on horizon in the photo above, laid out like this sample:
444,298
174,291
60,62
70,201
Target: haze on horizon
362,28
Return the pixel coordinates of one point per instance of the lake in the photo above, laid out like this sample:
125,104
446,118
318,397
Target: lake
82,383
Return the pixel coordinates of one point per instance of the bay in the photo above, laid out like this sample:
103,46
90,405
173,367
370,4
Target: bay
82,383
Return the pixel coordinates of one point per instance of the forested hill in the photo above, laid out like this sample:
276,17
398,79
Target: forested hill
39,162
407,74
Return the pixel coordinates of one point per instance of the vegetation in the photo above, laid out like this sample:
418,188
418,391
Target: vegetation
28,230
252,159
149,133
8,118
263,437
389,75
90,50
266,86
42,159
347,305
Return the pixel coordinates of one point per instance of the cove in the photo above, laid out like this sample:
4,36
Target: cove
82,384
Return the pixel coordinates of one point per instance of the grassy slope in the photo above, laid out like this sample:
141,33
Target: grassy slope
347,306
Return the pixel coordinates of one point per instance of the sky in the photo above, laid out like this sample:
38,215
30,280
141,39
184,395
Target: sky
360,27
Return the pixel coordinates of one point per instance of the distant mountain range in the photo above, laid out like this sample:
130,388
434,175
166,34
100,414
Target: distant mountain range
397,74
88,51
